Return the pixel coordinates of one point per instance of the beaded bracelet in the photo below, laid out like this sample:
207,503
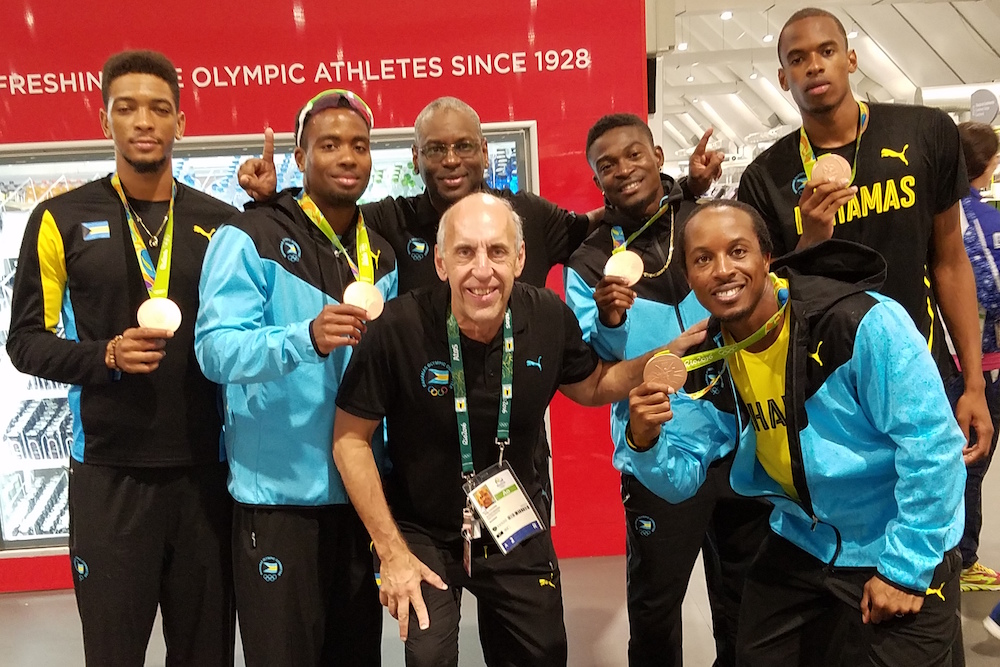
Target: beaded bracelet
109,356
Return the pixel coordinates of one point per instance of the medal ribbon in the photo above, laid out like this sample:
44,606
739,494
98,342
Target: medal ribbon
620,243
701,359
364,270
809,157
461,397
156,279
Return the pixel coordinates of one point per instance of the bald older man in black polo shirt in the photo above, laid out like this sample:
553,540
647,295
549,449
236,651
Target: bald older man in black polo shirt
460,358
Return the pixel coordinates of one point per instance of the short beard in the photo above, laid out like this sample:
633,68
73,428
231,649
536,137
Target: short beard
739,316
333,200
342,201
146,167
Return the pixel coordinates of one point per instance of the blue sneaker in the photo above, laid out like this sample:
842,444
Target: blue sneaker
992,622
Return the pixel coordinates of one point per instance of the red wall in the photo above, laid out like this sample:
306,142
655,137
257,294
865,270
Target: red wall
47,45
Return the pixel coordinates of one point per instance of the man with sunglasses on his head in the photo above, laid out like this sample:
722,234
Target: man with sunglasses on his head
276,328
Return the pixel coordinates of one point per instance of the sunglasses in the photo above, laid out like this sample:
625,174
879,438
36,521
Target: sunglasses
331,99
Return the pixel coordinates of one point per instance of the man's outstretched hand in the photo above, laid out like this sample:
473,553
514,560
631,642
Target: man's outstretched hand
257,175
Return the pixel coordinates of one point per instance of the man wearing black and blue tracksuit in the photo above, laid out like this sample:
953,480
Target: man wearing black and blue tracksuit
872,481
663,536
274,329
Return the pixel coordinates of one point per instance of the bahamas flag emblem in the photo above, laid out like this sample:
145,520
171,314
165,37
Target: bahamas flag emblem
96,230
438,377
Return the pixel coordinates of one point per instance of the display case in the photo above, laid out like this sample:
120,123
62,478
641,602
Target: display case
34,413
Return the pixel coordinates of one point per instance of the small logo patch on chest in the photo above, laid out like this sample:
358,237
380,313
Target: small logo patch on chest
290,250
417,249
93,231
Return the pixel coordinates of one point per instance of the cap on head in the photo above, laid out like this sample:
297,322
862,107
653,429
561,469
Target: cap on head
332,99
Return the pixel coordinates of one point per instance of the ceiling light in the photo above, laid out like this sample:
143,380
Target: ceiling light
690,78
768,38
726,15
753,75
852,34
682,46
694,100
695,63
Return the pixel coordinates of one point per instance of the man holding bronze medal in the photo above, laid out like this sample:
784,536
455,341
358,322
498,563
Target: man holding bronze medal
628,291
888,176
116,262
462,373
289,288
834,406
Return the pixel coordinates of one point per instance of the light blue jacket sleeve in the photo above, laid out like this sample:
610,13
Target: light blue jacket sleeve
900,389
608,342
232,342
388,284
675,467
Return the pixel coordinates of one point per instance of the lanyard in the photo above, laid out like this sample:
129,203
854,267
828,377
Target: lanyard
619,241
461,398
806,150
156,279
706,357
363,270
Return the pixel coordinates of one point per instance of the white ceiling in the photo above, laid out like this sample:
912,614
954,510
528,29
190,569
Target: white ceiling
901,47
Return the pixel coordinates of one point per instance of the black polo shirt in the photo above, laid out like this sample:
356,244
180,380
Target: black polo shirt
909,169
400,370
410,225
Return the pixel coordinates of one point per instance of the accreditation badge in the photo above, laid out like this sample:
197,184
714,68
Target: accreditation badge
505,509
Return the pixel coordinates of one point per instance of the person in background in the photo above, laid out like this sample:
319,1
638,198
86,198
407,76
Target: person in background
992,622
981,233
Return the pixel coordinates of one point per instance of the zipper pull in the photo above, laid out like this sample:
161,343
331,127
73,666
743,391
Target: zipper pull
253,539
815,521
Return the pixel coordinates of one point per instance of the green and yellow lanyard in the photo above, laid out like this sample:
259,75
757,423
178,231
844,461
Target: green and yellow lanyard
461,397
809,157
364,270
156,279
